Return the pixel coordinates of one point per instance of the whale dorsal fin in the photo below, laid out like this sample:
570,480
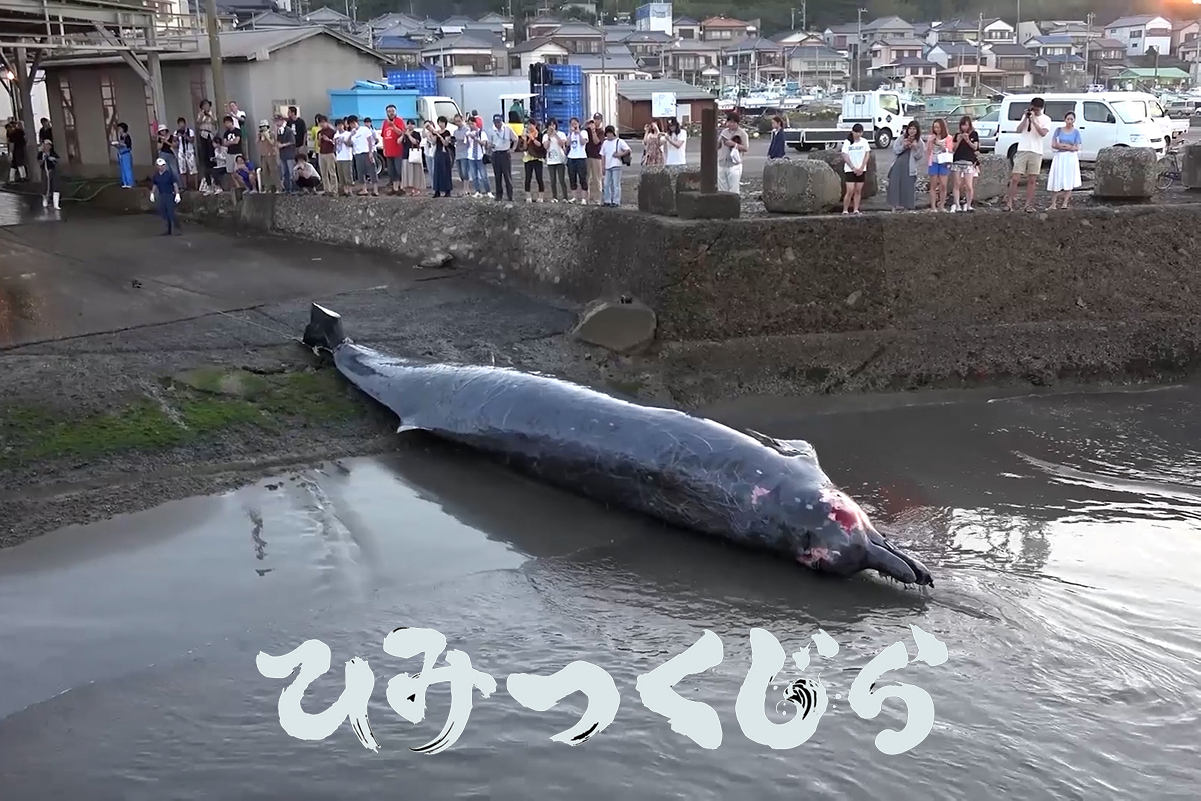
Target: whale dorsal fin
785,447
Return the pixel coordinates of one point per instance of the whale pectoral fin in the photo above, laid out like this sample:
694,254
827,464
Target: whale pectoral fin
403,428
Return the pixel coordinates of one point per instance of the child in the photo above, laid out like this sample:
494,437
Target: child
49,162
220,159
246,175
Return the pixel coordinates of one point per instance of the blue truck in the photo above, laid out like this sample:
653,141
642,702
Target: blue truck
371,98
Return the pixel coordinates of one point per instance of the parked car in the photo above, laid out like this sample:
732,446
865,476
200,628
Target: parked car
987,128
974,110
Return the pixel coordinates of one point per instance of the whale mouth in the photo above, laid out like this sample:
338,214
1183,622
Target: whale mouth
888,560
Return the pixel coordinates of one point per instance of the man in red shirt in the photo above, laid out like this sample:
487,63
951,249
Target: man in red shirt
393,128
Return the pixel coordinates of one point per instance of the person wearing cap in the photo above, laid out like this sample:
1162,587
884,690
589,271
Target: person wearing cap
166,150
592,150
164,193
501,144
268,158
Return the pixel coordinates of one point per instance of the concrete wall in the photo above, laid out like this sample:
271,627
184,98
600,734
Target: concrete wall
820,303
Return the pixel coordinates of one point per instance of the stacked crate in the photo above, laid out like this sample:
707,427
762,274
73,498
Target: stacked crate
563,98
423,81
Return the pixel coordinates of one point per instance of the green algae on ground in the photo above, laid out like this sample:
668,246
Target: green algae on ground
191,408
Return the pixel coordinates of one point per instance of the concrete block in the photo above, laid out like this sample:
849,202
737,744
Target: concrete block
994,176
657,191
256,212
871,184
621,325
688,180
800,186
708,205
1126,173
1190,167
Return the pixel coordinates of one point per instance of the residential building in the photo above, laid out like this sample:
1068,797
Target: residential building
686,28
1190,54
695,61
542,25
330,18
949,55
791,38
887,28
1142,33
1184,31
1051,45
964,79
265,71
470,53
1016,64
914,74
1107,59
817,65
969,30
884,52
269,20
842,36
1029,29
755,59
580,37
1078,32
544,50
726,30
1153,78
1060,72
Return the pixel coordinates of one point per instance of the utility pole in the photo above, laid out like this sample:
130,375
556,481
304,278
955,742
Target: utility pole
215,64
859,45
802,9
979,51
1088,41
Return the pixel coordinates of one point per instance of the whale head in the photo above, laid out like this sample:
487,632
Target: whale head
829,533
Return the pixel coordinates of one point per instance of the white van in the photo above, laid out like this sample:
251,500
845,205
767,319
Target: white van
1172,129
882,114
1105,119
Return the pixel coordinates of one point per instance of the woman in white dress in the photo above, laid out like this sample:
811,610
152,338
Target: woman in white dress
1065,164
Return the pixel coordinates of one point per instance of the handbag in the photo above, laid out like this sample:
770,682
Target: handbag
944,158
414,154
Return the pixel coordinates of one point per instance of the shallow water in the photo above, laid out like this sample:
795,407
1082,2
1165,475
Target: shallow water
1063,533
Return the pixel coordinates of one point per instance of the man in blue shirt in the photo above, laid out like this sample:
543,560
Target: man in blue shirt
164,192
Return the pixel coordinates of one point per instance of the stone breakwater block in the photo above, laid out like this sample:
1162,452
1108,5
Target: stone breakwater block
800,186
708,205
657,191
871,184
1125,173
1190,167
994,176
688,181
620,325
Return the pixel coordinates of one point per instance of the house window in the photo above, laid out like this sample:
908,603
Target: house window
685,33
108,101
69,131
1136,34
515,63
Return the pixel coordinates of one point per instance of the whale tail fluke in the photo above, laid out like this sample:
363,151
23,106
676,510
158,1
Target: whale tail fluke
324,331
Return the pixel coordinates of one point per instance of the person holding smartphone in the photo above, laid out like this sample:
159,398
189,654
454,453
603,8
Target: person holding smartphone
964,165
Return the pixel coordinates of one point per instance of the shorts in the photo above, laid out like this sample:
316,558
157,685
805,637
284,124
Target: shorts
852,178
964,167
1027,163
940,169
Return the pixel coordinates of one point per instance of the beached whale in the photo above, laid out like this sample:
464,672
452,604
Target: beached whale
744,487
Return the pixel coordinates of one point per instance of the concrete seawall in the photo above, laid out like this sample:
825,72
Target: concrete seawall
820,303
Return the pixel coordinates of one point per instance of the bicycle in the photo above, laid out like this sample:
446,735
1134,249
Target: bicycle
1169,169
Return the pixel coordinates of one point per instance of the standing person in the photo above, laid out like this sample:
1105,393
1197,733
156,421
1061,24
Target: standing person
462,157
327,159
14,134
49,162
555,142
938,163
676,145
616,155
855,152
166,150
1028,161
1065,164
285,136
596,169
652,146
902,176
391,133
124,146
964,165
300,138
185,154
731,144
501,144
45,133
374,166
344,159
413,178
164,194
361,140
577,162
206,135
776,150
269,161
231,142
441,166
477,142
533,157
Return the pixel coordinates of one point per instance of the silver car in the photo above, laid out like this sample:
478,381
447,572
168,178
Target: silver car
987,127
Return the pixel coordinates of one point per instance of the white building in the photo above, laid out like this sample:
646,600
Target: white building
1140,34
654,17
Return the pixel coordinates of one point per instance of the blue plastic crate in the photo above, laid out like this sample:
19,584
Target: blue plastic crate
568,93
566,74
421,80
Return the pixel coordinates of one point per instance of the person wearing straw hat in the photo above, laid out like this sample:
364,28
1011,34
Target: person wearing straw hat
164,193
